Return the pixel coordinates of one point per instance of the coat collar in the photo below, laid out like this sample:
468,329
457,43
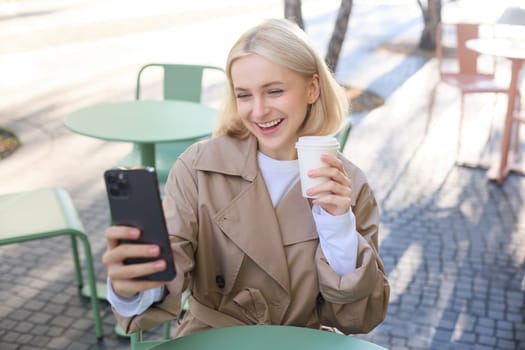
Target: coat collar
230,156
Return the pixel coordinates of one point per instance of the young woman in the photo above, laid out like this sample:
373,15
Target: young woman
247,246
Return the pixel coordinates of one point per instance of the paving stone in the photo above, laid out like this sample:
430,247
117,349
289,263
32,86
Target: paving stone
62,321
506,344
24,327
25,339
465,337
442,335
514,316
481,330
496,314
9,346
520,332
482,347
462,346
39,330
487,340
40,317
19,314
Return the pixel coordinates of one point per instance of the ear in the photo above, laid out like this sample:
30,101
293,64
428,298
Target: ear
313,89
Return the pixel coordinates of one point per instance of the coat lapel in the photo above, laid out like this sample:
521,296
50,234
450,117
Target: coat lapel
292,210
256,232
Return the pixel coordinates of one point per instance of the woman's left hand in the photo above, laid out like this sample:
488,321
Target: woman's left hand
335,194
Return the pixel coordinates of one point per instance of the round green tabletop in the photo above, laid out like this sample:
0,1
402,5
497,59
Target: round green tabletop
265,338
144,123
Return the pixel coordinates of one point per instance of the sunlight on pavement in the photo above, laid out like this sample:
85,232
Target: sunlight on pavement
384,232
405,270
517,241
460,325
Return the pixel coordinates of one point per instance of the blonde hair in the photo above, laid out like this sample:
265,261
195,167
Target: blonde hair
283,42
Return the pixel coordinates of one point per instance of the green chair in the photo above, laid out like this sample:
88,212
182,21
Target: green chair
180,82
138,341
46,213
343,133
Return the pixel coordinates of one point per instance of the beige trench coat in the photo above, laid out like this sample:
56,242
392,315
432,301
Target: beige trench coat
247,262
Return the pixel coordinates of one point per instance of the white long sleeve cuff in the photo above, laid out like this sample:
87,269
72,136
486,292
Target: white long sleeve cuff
338,239
136,305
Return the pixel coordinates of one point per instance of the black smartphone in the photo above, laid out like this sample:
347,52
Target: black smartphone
134,200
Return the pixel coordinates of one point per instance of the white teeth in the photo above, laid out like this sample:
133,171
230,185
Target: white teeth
269,124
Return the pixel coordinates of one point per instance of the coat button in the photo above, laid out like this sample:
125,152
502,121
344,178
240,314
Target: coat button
219,281
319,300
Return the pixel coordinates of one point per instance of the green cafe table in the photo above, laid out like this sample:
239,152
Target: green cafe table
267,338
144,123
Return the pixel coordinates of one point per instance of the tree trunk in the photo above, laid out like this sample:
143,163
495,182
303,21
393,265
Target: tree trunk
431,17
338,35
293,12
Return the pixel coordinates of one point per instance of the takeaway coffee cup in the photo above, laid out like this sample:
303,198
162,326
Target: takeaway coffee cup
309,151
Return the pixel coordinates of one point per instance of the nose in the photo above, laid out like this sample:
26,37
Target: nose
259,107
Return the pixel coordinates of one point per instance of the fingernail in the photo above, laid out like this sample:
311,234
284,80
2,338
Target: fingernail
134,233
159,265
154,250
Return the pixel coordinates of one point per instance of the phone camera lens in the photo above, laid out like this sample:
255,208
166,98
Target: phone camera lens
123,183
112,178
114,190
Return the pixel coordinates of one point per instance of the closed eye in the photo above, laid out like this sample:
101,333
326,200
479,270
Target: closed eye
242,95
275,91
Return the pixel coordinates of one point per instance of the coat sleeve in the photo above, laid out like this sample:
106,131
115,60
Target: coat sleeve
358,301
180,208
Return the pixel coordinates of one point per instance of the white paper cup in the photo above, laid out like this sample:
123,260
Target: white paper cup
309,151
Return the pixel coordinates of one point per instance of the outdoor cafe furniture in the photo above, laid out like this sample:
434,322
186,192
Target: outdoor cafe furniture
46,213
514,50
181,82
144,122
264,337
467,77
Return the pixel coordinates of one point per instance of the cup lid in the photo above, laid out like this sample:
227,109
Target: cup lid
323,141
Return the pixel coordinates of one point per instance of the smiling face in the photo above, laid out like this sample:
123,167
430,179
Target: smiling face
272,102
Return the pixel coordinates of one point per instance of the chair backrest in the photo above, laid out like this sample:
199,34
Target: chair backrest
467,60
180,81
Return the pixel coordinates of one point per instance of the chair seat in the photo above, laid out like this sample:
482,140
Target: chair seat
36,213
45,213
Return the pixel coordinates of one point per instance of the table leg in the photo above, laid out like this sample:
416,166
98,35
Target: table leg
147,154
503,167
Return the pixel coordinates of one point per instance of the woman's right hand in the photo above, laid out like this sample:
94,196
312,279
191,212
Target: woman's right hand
122,276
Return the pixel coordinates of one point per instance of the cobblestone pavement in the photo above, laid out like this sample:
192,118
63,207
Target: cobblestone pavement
453,243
